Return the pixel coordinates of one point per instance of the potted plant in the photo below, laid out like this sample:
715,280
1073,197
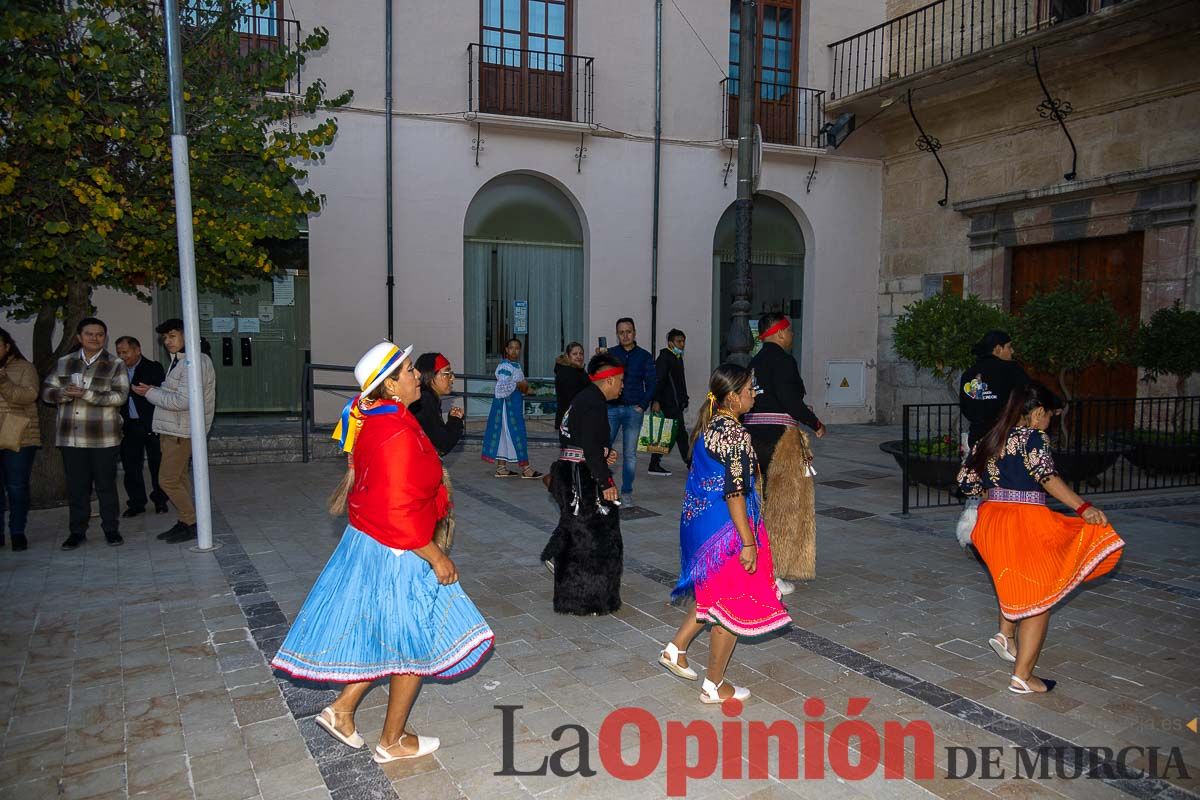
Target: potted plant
1169,345
936,335
1061,333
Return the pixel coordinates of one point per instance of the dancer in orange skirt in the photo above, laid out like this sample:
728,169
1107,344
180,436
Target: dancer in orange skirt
1035,556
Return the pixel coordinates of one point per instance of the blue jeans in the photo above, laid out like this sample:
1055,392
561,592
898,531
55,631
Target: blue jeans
629,418
15,469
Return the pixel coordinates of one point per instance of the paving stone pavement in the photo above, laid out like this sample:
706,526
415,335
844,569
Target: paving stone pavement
141,671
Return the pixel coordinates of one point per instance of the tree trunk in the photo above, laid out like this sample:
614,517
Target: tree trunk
1067,399
48,481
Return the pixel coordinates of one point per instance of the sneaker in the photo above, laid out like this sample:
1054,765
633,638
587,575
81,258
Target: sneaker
784,587
173,530
659,470
185,534
19,542
114,539
626,498
73,541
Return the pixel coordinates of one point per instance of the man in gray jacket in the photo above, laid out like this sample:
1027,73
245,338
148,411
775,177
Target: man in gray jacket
172,424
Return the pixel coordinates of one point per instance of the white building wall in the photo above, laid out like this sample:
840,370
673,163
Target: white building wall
436,177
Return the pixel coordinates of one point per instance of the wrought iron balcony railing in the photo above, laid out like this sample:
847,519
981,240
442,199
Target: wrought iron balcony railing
791,115
941,32
529,83
257,29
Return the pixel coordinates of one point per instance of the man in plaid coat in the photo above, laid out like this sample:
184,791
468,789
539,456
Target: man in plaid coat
89,387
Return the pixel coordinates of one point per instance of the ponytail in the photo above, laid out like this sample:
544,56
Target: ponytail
337,500
726,379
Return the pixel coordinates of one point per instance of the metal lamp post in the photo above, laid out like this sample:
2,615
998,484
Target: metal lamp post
739,338
187,280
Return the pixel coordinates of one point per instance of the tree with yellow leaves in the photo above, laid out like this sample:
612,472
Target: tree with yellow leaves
85,162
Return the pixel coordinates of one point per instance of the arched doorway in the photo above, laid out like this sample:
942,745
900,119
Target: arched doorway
777,270
522,243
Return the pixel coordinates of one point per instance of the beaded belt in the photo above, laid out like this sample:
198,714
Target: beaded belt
1033,498
770,419
572,454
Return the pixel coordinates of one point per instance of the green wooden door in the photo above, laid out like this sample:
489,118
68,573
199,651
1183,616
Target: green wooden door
258,342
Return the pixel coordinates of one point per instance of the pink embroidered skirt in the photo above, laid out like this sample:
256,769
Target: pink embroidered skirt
745,604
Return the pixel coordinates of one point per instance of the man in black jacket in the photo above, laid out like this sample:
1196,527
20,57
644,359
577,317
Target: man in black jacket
140,443
671,397
783,452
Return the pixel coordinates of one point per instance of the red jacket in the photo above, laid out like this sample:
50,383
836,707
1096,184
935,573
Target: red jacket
398,495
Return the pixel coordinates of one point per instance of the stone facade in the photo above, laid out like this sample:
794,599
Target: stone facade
1136,114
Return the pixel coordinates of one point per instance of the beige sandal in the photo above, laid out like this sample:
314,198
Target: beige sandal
425,746
327,720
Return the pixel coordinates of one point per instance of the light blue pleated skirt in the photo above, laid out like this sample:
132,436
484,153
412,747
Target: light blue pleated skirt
375,612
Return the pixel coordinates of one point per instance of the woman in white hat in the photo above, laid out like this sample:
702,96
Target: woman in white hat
388,603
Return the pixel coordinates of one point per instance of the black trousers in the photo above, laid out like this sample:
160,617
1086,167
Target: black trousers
139,446
88,468
681,441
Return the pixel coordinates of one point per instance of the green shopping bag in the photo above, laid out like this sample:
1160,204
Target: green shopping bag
658,434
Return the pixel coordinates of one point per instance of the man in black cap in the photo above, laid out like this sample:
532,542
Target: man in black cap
985,387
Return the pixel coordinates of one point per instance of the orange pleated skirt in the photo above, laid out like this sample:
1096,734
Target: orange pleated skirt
1037,557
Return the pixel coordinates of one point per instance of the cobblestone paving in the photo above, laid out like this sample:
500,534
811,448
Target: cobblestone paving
141,671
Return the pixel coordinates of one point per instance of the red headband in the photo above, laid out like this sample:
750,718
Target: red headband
782,325
440,363
607,373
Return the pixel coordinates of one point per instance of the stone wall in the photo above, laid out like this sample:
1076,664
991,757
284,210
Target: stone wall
1136,123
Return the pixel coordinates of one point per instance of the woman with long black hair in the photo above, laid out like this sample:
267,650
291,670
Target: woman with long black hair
724,550
1035,556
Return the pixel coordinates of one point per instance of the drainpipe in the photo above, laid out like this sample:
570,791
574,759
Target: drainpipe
657,171
387,138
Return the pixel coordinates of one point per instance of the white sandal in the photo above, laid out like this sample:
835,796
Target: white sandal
330,726
425,746
1022,687
999,643
669,658
708,692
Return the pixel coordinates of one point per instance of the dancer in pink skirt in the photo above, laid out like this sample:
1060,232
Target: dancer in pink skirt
725,556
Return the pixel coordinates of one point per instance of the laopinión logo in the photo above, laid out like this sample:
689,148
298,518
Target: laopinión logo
851,750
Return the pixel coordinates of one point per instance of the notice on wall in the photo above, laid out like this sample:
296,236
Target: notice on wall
266,312
248,325
520,317
206,311
284,290
222,324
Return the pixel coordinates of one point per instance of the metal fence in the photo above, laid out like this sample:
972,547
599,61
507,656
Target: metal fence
1100,446
476,392
941,32
529,83
786,114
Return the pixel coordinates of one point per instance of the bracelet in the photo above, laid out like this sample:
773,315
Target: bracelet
1086,505
748,545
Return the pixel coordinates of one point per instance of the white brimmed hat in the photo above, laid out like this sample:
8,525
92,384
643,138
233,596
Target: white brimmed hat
378,363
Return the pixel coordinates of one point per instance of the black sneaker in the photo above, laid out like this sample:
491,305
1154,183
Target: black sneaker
659,470
73,541
185,534
114,539
132,512
172,531
19,542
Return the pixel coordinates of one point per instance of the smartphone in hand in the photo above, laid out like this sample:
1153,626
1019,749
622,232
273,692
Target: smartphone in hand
603,342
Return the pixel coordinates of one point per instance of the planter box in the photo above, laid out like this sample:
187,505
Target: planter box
1161,458
938,472
1085,467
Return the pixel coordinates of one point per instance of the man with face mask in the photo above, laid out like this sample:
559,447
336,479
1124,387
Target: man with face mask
671,397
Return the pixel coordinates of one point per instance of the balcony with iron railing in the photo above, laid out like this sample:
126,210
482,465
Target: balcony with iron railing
529,83
786,114
942,32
